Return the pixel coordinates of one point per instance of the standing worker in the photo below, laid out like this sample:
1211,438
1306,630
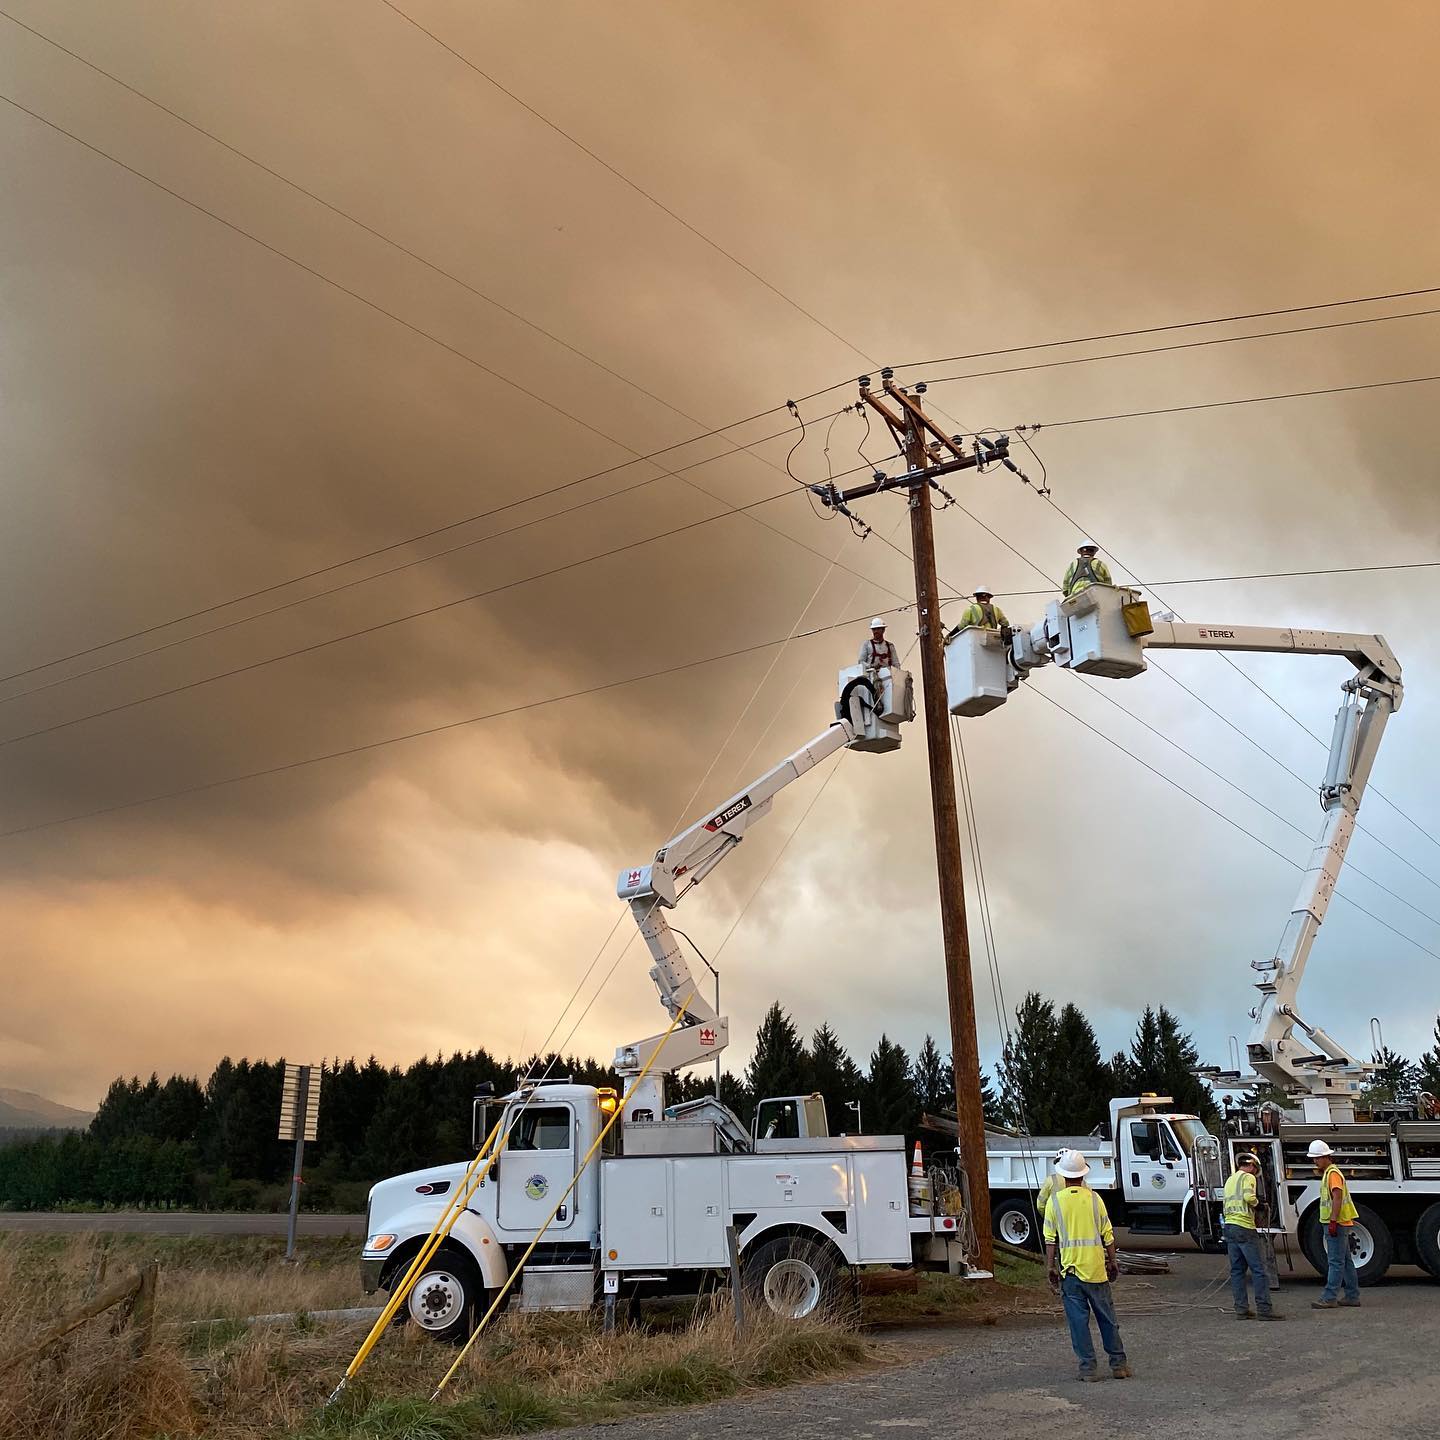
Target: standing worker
877,652
1080,1263
1337,1215
1085,570
1242,1241
984,613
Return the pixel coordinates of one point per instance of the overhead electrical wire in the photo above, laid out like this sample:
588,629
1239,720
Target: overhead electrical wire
1182,345
439,729
1220,814
391,570
392,621
1254,575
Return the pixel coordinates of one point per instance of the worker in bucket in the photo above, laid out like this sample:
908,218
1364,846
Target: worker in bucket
1080,1262
1085,570
1242,1241
1337,1216
877,652
984,613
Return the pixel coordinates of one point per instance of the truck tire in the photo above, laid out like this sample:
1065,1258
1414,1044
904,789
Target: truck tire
1013,1221
1427,1240
446,1292
793,1277
1376,1244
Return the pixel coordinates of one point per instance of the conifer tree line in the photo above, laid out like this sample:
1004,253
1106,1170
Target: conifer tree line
214,1146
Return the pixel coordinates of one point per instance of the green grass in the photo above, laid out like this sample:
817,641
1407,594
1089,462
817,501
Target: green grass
493,1408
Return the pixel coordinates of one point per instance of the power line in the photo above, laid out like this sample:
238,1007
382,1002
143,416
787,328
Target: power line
1235,824
381,310
432,729
395,569
1257,575
627,181
393,621
1223,404
1184,345
1175,325
1250,679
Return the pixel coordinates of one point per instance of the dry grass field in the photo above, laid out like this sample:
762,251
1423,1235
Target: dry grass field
209,1374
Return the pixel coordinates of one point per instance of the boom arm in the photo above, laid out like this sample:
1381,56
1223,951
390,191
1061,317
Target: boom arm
1371,696
1105,631
870,710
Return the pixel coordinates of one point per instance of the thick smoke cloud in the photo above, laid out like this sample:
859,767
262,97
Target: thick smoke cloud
190,416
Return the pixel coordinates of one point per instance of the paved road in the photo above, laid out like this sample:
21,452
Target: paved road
1198,1373
176,1222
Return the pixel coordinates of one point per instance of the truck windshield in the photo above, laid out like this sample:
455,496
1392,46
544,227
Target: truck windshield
1187,1130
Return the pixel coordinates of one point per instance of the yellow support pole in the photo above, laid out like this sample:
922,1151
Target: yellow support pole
488,1153
584,1165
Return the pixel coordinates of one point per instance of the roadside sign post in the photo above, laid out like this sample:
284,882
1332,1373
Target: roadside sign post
299,1121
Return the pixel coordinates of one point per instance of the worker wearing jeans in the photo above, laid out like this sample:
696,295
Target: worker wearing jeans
1080,1259
1337,1216
1242,1241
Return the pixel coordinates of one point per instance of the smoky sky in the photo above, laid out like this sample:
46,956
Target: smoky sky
193,413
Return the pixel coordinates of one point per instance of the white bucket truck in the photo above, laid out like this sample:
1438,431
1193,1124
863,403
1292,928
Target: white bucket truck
1390,1156
653,1213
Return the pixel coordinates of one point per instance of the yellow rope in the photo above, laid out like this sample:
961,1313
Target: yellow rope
584,1164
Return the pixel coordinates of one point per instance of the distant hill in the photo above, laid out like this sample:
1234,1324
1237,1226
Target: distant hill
24,1110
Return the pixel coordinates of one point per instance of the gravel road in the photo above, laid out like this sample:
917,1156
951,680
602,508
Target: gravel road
1198,1373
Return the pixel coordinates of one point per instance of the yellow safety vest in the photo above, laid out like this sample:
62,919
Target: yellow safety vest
1348,1212
1076,1222
1240,1200
1048,1187
1082,573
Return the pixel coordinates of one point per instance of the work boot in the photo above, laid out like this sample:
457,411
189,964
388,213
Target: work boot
1322,1304
1269,1315
1088,1376
1122,1372
1243,1315
1349,1304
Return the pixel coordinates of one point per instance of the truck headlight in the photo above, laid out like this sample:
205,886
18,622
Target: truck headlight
379,1242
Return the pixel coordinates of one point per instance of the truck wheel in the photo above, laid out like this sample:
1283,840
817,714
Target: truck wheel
793,1277
443,1300
1427,1240
1013,1221
1374,1247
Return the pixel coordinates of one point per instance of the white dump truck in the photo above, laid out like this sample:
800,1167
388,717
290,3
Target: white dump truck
655,1212
1145,1171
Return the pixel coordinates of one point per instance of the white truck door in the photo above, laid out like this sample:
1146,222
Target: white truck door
1154,1168
537,1164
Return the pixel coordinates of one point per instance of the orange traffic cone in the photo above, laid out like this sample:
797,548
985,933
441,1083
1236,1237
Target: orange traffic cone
917,1165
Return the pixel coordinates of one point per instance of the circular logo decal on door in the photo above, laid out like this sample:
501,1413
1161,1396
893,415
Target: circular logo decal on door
537,1187
1158,1181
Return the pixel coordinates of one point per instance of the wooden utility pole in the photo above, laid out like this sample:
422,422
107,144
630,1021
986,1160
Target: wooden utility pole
929,453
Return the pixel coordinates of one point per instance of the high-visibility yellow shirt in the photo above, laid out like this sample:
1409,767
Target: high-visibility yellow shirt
987,616
1082,573
1240,1199
1076,1223
1048,1187
1348,1212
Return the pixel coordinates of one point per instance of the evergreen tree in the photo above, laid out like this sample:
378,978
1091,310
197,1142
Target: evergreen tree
934,1079
1179,1058
890,1106
779,1065
1028,1076
1429,1070
1147,1061
990,1105
836,1076
1395,1078
1082,1080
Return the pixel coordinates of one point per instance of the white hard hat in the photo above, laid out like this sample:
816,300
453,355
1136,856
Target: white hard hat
1086,545
1248,1157
983,590
877,623
1072,1165
1317,1149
